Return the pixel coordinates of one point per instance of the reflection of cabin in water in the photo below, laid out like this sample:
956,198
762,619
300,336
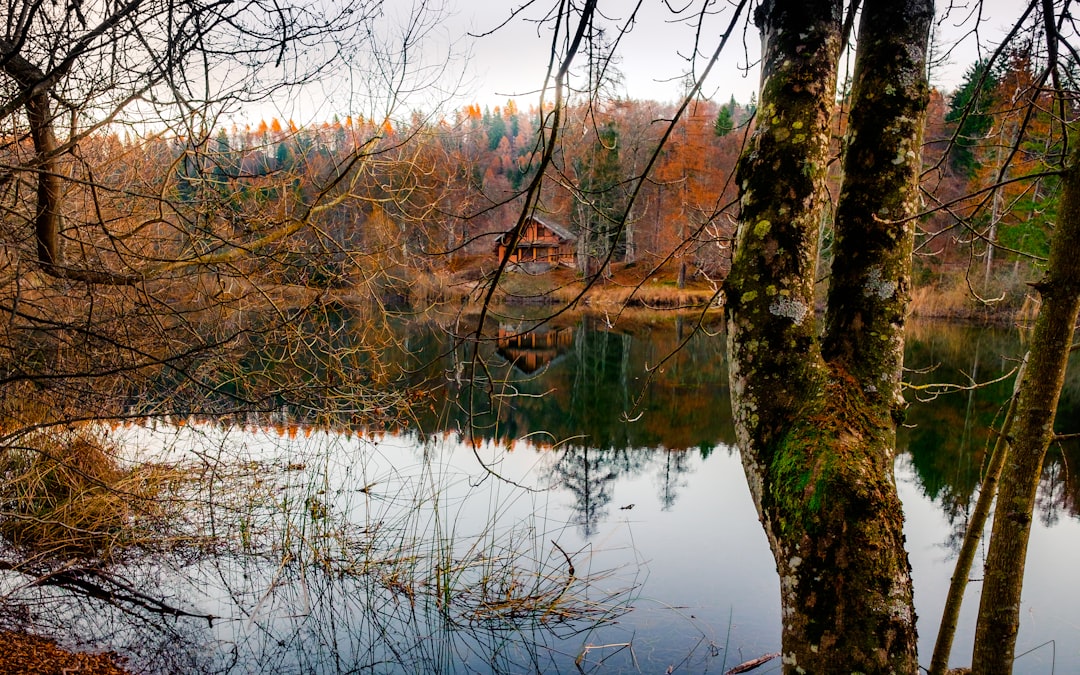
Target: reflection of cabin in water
532,350
542,241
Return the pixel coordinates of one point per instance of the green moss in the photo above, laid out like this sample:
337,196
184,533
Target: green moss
826,459
803,470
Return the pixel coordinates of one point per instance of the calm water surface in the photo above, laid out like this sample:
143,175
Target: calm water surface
594,518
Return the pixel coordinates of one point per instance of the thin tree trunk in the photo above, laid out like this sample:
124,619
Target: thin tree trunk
950,615
39,115
1051,341
36,86
816,423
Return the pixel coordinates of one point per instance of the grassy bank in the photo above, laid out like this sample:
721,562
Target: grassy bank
632,289
625,288
1005,298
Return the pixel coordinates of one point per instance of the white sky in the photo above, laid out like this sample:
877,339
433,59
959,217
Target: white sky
449,68
511,62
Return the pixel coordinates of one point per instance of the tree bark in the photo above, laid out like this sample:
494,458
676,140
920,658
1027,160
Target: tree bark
816,421
35,85
1051,341
950,615
39,115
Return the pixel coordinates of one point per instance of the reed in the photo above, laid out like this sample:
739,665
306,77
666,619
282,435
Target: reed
1005,298
65,495
306,534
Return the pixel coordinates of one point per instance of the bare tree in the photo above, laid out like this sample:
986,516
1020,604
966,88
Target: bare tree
141,256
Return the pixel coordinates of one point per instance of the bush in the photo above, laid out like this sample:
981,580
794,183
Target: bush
69,497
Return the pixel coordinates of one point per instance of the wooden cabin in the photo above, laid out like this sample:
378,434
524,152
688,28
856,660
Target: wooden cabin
542,241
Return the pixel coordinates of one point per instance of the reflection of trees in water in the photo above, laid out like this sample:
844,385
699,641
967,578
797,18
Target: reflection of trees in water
586,392
1051,495
947,435
672,470
1060,484
321,364
633,387
590,475
947,438
599,390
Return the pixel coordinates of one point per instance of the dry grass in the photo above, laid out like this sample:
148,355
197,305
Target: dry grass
24,653
650,295
1006,298
67,496
300,527
626,287
932,302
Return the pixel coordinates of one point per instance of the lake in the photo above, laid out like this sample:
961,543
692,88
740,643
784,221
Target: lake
580,507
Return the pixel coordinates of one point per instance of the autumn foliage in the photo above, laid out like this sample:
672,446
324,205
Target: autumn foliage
368,204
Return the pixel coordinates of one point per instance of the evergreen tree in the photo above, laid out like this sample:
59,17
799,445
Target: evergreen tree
725,121
970,108
223,160
496,128
602,199
284,156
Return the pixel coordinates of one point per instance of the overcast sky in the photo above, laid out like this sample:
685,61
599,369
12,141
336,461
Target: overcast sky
472,54
511,61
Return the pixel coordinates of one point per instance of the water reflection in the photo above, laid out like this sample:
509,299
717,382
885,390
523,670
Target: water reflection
325,553
636,387
619,536
948,438
530,348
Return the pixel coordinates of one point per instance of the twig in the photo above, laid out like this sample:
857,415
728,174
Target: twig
752,663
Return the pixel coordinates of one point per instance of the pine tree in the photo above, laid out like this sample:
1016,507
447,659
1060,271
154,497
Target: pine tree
725,121
970,108
603,200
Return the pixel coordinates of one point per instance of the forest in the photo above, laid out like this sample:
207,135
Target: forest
241,351
408,210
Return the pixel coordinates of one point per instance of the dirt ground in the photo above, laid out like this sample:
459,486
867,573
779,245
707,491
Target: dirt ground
23,653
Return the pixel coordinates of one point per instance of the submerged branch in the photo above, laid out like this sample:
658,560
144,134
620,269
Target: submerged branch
97,584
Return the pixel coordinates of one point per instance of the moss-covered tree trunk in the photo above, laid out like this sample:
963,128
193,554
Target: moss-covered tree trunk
816,418
1032,431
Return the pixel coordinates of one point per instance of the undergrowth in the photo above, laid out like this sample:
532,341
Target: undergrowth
64,494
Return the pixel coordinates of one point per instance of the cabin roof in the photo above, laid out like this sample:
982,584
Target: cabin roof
556,228
560,231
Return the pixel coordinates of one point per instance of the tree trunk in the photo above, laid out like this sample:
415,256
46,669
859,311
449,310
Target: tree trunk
35,85
950,615
1051,341
816,422
39,114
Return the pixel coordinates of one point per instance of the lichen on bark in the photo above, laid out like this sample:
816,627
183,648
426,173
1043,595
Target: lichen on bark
817,427
870,276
